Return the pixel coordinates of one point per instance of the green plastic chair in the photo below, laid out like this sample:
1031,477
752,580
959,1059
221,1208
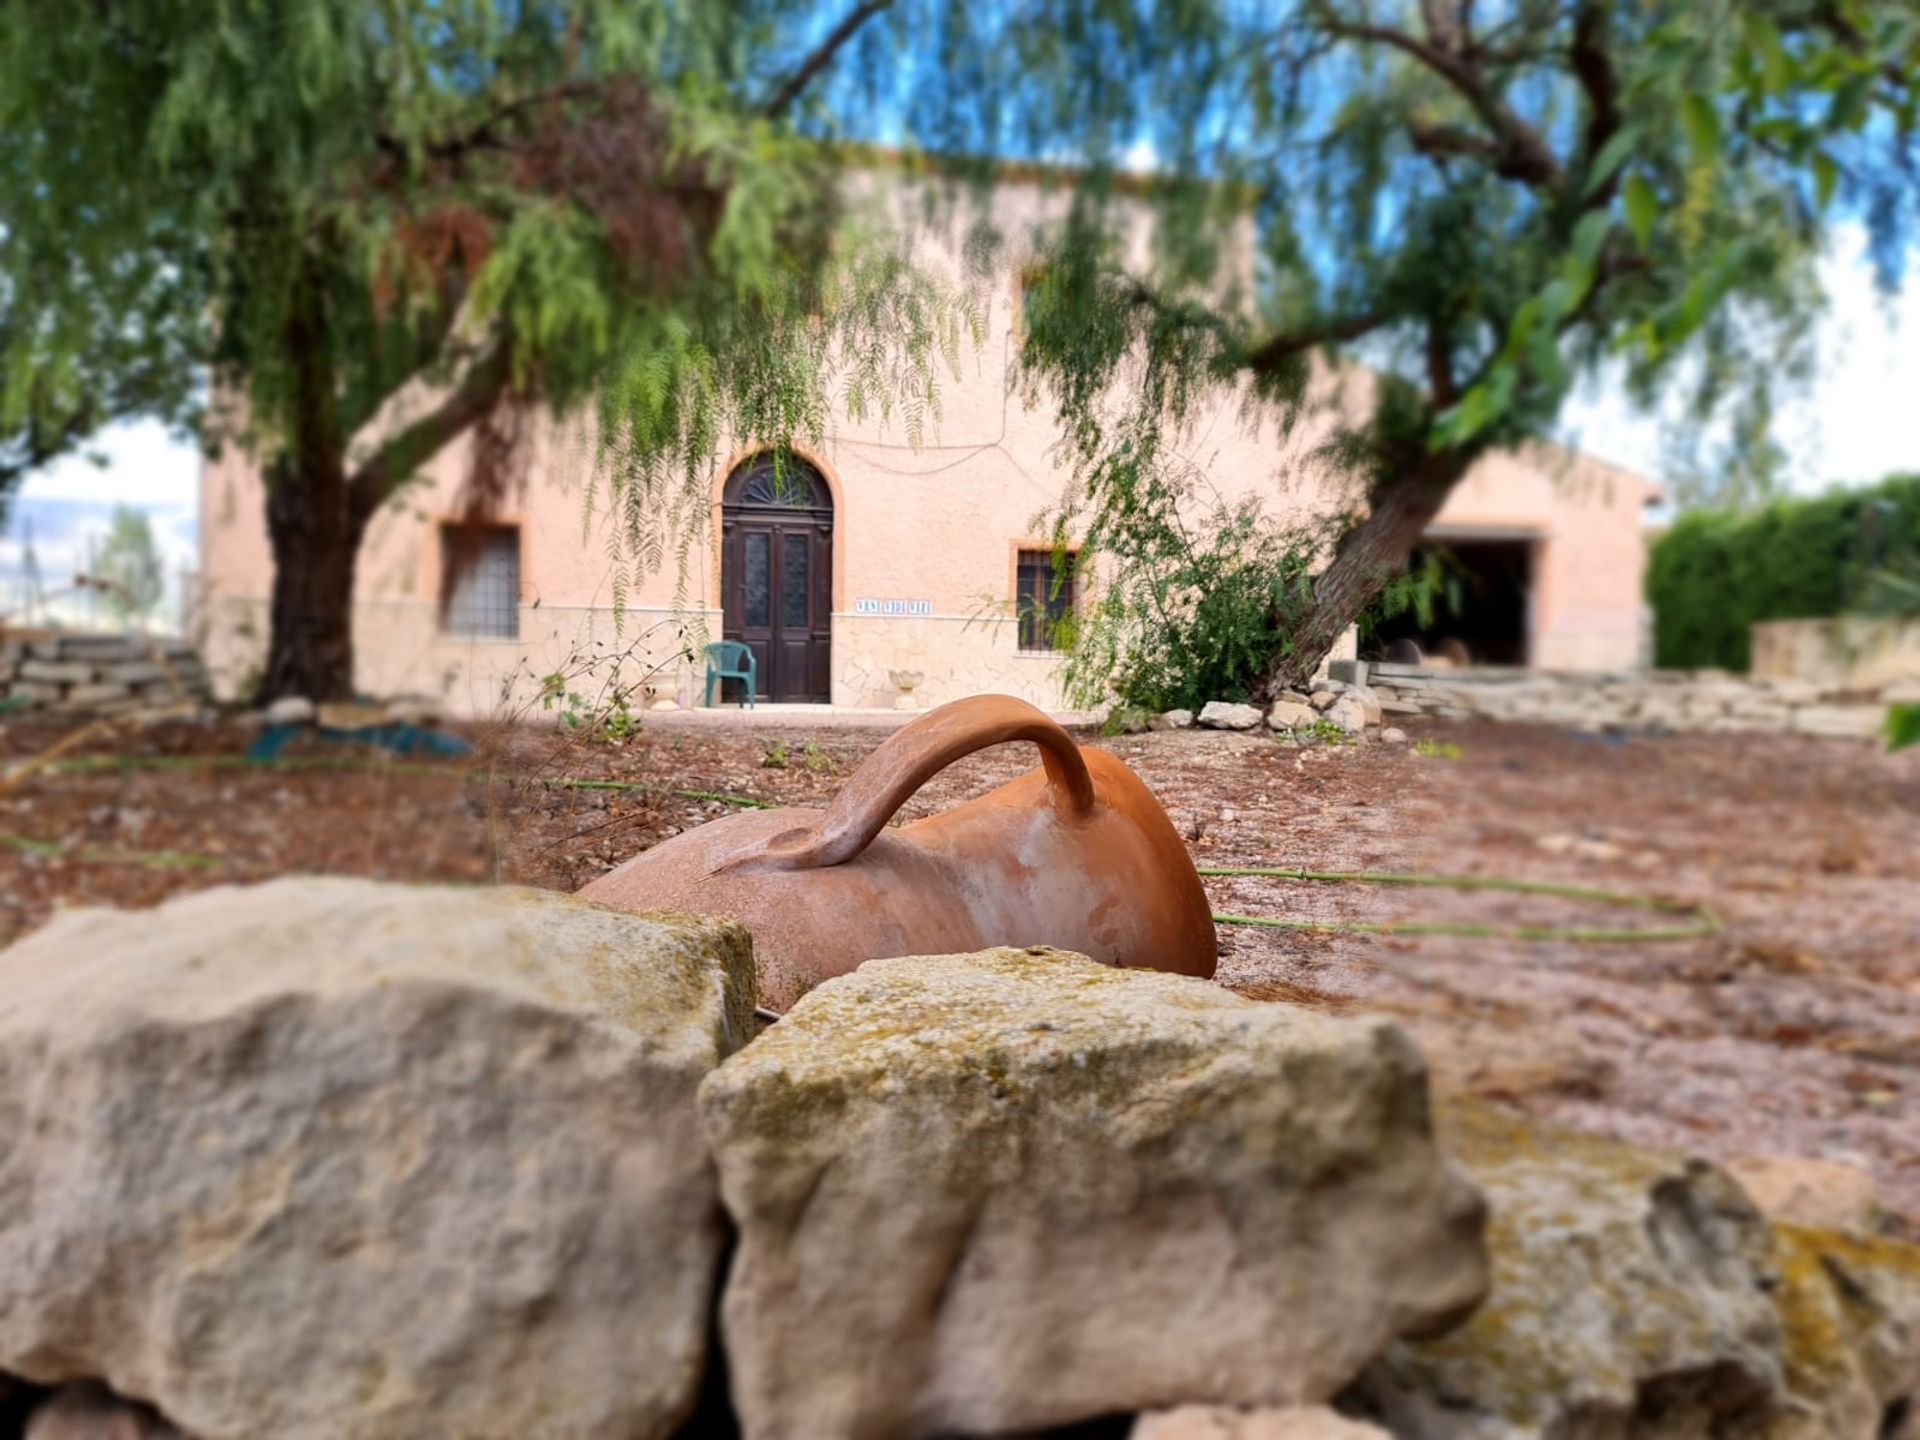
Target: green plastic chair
724,660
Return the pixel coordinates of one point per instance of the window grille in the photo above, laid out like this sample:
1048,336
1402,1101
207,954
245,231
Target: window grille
480,594
1044,599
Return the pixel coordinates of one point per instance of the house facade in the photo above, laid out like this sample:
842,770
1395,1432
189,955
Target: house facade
868,562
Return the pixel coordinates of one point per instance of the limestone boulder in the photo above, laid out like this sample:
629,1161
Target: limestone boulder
1850,1310
989,1193
1349,714
1291,715
332,1157
1225,715
1632,1296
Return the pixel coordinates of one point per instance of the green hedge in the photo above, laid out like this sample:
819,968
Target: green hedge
1716,572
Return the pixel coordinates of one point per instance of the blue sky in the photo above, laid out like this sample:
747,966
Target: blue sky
1856,422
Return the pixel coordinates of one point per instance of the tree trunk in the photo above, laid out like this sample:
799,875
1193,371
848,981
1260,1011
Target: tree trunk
1364,559
314,518
315,534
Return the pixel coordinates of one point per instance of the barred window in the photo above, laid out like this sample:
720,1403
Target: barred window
1044,586
480,581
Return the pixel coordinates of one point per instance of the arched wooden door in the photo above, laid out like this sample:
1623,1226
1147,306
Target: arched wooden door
776,574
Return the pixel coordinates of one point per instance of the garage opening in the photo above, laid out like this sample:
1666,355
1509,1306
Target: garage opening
1482,605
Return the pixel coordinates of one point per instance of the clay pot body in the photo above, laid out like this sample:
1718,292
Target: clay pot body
1076,854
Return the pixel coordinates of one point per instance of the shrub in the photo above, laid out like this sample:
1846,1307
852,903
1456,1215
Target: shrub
1717,572
1191,610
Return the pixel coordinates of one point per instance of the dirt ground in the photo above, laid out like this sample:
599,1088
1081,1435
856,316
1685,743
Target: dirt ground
1793,1030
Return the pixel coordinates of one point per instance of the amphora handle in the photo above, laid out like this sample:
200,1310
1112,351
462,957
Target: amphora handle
916,753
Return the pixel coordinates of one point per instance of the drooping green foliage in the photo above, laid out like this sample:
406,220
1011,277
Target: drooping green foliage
1192,607
435,211
1716,572
1485,203
343,232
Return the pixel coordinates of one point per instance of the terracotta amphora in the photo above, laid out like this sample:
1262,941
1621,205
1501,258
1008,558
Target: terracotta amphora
1076,854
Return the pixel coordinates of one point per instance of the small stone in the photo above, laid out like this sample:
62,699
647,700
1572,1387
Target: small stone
95,696
1369,702
1393,735
1821,1194
290,710
1348,714
1290,715
1322,699
1292,697
1581,847
139,672
1225,715
57,672
1171,720
414,709
1841,721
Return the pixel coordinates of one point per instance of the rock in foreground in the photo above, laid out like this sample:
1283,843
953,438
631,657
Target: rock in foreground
328,1157
995,1192
1629,1286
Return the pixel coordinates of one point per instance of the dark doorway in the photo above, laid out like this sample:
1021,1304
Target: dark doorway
1482,604
776,575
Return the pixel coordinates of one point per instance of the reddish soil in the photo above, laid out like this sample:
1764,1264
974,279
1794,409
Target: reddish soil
1793,1030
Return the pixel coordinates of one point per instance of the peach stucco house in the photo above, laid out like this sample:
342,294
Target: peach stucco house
882,558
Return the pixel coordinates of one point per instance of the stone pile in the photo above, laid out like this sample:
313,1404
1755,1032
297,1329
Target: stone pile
329,1157
1335,706
80,673
1651,700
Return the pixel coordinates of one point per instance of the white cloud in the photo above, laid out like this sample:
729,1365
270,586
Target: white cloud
144,466
1851,423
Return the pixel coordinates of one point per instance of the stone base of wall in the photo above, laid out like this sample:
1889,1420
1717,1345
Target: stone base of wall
1854,651
1650,700
78,673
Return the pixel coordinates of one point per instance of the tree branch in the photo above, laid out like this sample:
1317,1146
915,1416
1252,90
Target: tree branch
1441,140
403,452
789,90
37,445
1593,67
1522,152
1275,350
484,133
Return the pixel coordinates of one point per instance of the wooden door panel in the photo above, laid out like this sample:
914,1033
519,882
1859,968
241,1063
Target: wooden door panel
793,618
776,598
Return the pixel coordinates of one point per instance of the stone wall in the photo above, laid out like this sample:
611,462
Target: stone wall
331,1157
1856,650
1633,699
89,674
